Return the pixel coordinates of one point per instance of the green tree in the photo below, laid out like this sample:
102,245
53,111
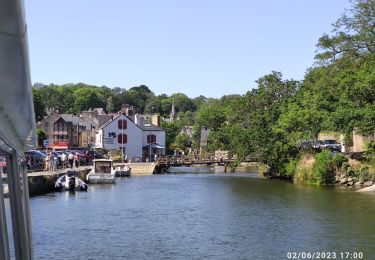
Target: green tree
353,33
86,98
182,142
172,129
39,108
110,106
41,135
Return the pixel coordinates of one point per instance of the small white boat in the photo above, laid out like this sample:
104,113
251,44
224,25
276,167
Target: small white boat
103,172
122,170
71,182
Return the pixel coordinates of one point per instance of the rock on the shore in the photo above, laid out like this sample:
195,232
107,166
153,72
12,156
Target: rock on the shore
368,183
343,180
370,188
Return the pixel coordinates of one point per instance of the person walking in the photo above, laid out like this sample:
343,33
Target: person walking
52,163
87,157
63,160
46,166
76,160
70,158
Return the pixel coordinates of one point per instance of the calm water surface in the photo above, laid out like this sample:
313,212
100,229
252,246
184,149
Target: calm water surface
201,216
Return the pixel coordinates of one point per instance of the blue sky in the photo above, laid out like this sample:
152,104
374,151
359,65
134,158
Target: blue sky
197,47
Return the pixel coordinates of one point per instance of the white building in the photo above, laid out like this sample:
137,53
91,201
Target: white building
137,140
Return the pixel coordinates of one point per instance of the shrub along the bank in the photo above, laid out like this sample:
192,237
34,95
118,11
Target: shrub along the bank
320,168
323,168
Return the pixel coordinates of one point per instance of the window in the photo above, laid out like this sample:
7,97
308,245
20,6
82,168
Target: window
122,124
153,139
122,139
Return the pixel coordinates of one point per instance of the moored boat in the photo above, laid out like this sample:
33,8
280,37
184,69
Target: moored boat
122,170
102,173
71,182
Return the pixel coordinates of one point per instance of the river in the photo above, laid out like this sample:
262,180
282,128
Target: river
196,214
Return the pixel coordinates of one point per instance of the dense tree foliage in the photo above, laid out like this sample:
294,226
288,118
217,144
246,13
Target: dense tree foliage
74,98
337,94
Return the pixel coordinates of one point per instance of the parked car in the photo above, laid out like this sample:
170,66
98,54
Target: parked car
312,144
95,155
36,153
332,145
317,144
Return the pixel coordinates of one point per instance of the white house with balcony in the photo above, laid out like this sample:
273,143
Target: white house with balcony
138,140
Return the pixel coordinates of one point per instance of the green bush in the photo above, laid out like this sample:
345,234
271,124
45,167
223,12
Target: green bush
339,160
322,167
363,174
305,175
350,172
291,167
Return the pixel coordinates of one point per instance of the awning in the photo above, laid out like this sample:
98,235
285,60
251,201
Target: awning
17,127
154,145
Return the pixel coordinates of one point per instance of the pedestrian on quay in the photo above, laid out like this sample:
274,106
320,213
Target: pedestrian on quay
52,164
46,162
76,160
63,160
71,158
87,157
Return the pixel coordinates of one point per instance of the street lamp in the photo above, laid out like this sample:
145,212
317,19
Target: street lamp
149,152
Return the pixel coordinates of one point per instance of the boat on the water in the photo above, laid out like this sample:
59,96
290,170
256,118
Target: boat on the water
70,182
103,172
122,170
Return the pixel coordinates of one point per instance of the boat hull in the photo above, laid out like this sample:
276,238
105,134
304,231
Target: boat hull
122,173
70,183
101,178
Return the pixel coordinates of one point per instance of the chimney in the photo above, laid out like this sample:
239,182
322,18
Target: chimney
155,119
138,120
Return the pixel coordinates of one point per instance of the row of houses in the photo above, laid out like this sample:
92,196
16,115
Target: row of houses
139,136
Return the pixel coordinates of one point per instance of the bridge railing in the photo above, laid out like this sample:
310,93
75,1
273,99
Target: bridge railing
201,158
193,158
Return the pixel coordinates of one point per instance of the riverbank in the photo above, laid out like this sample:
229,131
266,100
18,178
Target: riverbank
326,168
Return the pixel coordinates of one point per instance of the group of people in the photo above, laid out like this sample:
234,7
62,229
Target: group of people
73,159
67,160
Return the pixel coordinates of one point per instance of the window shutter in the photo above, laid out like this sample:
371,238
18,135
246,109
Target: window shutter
122,124
122,139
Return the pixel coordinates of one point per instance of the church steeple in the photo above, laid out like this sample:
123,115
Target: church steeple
173,112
